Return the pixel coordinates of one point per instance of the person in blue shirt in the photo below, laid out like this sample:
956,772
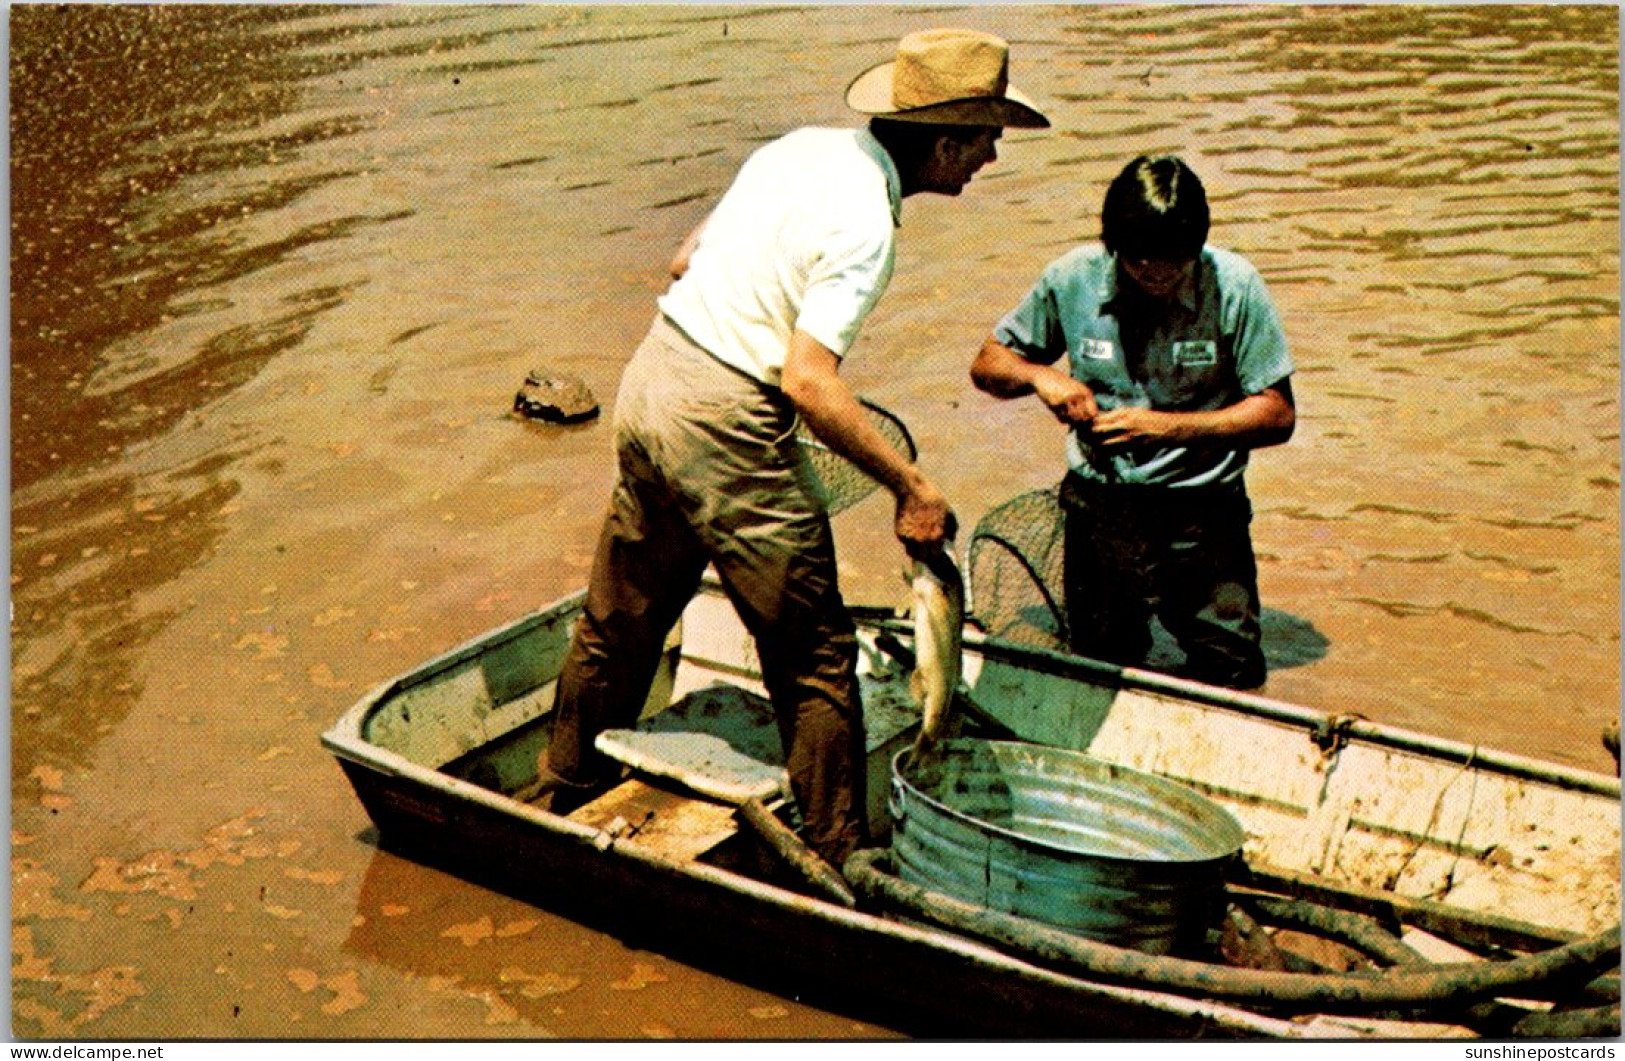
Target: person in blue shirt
1175,368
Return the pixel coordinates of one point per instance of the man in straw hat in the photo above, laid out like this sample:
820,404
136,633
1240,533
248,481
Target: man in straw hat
768,296
1176,368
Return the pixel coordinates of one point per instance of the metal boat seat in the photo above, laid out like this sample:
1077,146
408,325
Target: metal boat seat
720,741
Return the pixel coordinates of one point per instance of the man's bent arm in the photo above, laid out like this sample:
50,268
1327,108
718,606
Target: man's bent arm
679,261
1004,373
811,381
1258,420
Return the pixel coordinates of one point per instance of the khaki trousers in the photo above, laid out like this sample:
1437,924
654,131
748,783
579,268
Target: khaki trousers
711,473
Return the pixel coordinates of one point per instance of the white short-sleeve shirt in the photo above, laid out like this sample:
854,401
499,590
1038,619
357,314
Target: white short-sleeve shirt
804,238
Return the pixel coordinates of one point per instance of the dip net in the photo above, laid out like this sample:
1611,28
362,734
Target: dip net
843,483
1014,560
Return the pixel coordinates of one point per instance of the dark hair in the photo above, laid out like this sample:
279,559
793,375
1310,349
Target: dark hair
910,143
1155,208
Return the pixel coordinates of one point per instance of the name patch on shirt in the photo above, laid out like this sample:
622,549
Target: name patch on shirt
1196,353
1096,349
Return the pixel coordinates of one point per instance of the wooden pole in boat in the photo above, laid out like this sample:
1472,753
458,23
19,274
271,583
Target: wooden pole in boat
1395,988
1472,929
792,849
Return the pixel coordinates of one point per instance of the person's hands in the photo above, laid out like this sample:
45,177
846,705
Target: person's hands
924,520
1070,400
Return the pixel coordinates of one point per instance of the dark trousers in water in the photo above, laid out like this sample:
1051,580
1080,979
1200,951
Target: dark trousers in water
1184,556
711,473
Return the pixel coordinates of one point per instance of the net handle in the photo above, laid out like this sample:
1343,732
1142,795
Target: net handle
843,482
880,413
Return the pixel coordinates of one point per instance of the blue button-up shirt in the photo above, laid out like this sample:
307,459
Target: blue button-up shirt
1219,341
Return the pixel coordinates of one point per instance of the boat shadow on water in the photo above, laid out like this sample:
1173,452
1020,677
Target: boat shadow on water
547,952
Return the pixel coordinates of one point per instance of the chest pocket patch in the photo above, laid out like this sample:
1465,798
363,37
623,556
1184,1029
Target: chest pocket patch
1096,349
1196,353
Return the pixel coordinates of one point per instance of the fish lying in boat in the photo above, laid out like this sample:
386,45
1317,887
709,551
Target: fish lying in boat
938,601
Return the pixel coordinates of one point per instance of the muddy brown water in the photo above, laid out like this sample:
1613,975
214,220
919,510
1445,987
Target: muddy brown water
278,272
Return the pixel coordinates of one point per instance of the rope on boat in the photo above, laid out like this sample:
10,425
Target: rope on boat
1595,1009
1601,1022
1603,991
1353,930
1398,987
1363,928
1365,935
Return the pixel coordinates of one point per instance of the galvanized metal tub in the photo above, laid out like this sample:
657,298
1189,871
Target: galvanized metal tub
1110,853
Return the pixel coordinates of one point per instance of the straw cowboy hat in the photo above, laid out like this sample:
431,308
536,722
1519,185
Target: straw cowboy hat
946,76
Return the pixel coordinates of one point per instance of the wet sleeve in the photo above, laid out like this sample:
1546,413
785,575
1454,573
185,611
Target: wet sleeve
1033,328
1262,356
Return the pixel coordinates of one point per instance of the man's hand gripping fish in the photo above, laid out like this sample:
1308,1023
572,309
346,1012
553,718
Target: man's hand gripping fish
938,602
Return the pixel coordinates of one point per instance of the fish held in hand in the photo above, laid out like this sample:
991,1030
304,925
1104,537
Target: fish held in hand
938,602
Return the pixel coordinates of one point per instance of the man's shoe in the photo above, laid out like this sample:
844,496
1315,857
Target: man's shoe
552,793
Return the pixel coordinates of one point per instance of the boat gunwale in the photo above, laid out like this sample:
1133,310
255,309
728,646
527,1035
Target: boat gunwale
1316,723
1323,725
345,740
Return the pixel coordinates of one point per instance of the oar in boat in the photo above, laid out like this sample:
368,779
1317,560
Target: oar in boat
790,847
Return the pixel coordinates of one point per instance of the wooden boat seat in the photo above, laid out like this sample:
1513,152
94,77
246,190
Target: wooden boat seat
668,822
